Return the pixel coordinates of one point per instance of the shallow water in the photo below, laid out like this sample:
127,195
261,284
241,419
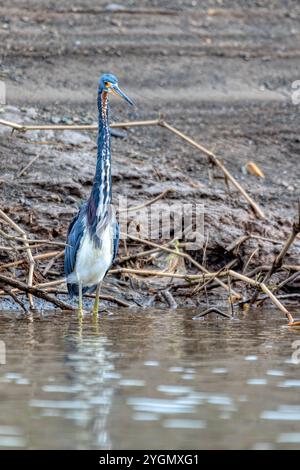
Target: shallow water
149,379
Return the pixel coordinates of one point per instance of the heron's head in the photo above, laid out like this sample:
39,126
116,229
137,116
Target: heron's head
109,84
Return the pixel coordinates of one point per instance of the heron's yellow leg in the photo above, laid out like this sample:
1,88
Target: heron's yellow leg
96,303
80,303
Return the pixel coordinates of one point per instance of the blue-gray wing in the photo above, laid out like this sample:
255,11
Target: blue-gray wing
75,234
116,240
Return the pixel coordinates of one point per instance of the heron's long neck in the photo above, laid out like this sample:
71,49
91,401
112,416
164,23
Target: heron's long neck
100,197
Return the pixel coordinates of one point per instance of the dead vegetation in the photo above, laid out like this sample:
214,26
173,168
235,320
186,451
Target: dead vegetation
140,258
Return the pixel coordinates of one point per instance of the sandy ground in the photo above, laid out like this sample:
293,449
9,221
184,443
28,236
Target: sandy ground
220,71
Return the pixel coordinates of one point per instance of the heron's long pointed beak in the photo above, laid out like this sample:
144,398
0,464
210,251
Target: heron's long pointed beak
118,92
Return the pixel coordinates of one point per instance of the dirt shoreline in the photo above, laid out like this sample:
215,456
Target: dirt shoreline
221,74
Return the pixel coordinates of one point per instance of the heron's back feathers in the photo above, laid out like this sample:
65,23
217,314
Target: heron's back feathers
90,250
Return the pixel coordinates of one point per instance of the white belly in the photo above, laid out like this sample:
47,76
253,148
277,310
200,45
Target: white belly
92,263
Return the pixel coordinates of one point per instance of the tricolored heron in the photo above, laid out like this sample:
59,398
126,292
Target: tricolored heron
93,235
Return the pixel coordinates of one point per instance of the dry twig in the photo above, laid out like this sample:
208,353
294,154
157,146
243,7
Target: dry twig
8,291
213,158
34,291
183,255
41,256
148,203
22,232
278,261
265,289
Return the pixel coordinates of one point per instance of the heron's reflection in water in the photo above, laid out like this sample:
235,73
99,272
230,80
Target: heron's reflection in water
96,354
90,367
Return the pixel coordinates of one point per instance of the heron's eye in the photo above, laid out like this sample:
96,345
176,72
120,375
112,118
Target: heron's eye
107,84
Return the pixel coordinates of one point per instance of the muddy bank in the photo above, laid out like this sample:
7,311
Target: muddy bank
222,74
